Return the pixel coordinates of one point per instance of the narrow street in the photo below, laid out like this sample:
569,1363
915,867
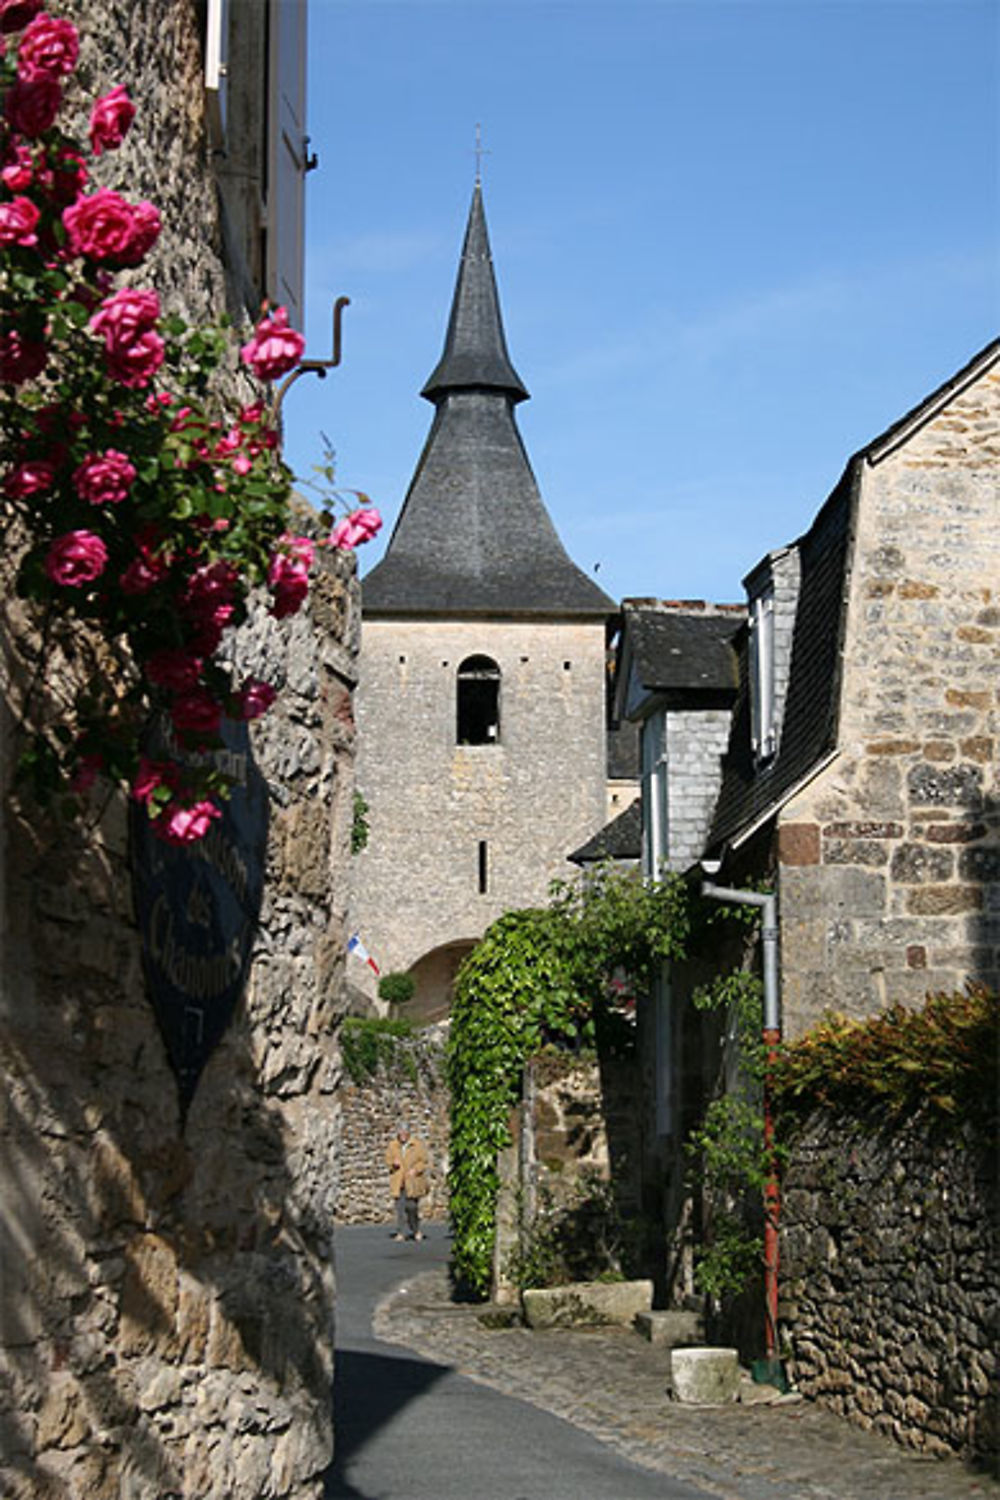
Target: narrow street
409,1429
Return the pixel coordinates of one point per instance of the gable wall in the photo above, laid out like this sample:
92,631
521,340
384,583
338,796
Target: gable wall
533,797
890,874
695,743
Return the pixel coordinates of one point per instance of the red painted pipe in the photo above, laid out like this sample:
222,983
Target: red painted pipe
772,1205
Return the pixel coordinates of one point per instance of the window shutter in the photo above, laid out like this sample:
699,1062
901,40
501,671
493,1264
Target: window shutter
216,57
287,159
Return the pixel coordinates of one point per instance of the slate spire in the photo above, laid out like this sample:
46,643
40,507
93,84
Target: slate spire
474,537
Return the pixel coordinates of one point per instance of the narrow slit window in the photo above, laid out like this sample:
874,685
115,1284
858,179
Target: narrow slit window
478,695
483,868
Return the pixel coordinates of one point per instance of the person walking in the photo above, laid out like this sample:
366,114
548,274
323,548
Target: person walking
407,1160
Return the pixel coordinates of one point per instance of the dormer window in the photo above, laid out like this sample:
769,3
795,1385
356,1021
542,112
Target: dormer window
478,701
763,726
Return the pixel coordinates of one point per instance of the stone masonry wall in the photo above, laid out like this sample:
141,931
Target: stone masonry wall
890,1282
166,1299
412,1091
531,798
890,859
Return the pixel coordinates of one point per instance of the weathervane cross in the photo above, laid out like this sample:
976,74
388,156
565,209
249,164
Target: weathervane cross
480,152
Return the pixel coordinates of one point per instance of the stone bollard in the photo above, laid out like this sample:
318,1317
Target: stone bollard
705,1377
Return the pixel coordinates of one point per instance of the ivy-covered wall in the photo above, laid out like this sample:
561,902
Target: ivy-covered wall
890,1255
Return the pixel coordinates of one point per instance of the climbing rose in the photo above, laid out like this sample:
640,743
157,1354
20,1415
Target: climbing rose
49,49
141,575
76,558
197,712
289,581
19,168
104,478
110,118
151,775
174,669
274,348
18,222
134,363
19,359
33,477
104,227
17,13
32,105
360,526
65,178
178,824
88,768
255,698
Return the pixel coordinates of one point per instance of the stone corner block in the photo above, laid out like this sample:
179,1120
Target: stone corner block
587,1304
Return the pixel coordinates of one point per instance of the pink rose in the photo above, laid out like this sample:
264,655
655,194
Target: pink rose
176,670
196,712
49,48
180,824
134,365
242,465
289,581
110,118
33,477
17,13
19,359
125,316
142,574
211,585
360,526
32,105
76,558
104,478
274,348
18,222
19,170
255,698
104,227
151,775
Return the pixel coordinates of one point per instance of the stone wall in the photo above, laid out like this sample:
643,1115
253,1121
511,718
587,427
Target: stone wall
528,799
166,1302
890,870
695,742
411,1090
890,1281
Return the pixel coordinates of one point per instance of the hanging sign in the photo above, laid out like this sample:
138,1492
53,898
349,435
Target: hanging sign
198,907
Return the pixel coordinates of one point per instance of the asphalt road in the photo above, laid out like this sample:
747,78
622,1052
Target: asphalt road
408,1429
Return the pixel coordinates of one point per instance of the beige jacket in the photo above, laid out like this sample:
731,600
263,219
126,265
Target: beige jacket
407,1167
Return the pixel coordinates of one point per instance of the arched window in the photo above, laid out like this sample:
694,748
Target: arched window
478,718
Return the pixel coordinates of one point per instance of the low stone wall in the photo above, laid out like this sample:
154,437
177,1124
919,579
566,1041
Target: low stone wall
891,1282
412,1089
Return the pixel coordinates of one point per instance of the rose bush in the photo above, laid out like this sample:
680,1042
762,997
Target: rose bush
149,513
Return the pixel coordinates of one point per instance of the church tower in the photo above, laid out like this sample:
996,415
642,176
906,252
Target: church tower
481,711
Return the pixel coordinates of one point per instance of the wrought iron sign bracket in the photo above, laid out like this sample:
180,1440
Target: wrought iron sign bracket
315,366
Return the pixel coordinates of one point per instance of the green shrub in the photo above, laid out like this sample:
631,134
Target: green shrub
371,1044
396,988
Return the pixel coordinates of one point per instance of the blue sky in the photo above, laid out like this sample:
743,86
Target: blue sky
733,241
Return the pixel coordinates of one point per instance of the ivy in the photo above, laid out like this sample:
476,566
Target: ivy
565,975
359,824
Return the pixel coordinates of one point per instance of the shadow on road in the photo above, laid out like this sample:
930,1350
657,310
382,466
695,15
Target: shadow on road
370,1389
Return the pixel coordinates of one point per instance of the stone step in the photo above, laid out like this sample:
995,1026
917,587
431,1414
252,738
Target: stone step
671,1328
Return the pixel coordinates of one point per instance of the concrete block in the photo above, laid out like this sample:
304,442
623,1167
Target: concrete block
705,1377
587,1304
671,1328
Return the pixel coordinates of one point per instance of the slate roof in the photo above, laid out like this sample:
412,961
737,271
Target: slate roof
810,727
619,839
473,536
679,653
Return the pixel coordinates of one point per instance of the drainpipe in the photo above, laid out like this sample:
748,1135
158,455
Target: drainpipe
771,1036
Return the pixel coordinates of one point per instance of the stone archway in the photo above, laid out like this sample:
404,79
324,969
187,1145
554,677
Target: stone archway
434,974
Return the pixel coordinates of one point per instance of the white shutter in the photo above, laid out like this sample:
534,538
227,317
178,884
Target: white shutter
286,158
216,58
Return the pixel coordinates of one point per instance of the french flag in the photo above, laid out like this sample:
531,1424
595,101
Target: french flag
357,947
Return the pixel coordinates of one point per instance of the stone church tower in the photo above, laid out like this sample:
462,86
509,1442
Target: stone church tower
481,706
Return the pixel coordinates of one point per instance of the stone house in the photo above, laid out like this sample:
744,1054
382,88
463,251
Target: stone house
482,703
836,737
166,1295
